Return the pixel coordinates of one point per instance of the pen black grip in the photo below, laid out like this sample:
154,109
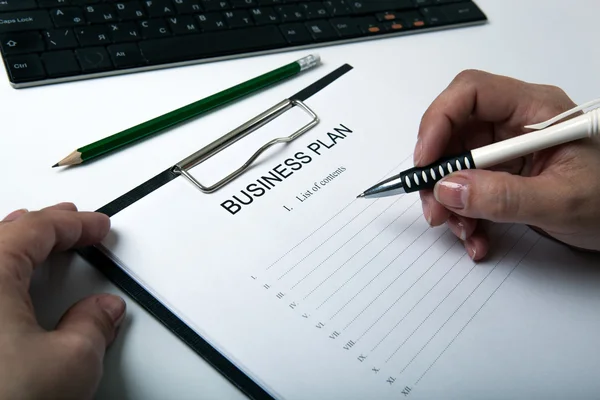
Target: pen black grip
422,178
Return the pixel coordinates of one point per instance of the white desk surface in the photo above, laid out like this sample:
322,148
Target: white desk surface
544,41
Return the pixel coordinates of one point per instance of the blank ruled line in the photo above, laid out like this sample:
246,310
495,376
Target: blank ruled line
361,249
452,291
380,272
479,309
458,308
312,233
330,219
367,263
394,281
425,295
414,283
346,242
416,304
436,307
327,240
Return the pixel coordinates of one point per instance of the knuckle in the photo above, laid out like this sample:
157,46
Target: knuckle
14,265
501,202
550,101
467,76
82,348
573,204
104,324
553,91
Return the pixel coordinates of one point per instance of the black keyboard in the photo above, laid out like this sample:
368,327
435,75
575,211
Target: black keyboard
51,41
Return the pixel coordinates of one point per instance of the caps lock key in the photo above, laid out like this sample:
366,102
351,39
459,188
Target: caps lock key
24,21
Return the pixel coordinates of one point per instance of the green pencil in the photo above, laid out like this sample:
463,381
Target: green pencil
184,113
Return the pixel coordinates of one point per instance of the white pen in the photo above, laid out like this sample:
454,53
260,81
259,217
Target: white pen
546,134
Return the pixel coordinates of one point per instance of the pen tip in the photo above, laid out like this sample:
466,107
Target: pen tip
360,196
55,165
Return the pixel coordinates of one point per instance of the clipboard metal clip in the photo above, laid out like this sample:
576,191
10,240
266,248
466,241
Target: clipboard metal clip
238,133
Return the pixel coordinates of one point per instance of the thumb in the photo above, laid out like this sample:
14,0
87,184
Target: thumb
81,338
501,197
94,320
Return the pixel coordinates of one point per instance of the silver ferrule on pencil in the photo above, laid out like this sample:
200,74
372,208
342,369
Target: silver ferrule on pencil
309,61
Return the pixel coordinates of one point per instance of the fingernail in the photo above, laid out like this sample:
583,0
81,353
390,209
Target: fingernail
418,151
104,229
65,205
471,249
452,192
473,253
426,211
114,306
15,214
457,227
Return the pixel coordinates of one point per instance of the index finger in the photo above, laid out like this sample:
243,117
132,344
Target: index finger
472,94
29,240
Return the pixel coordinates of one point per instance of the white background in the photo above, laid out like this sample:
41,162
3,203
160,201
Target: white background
550,41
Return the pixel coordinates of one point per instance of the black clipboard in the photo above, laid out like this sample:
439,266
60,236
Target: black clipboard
128,285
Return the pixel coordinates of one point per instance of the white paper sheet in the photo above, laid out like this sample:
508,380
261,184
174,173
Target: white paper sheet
318,295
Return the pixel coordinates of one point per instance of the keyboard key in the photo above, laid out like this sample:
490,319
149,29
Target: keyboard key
374,6
93,59
264,16
386,16
57,39
188,6
100,13
96,35
130,10
243,3
215,5
290,13
321,31
413,19
67,17
296,34
84,2
238,19
370,26
314,10
462,12
211,44
183,25
126,55
53,3
20,43
154,28
60,63
24,21
211,22
434,15
124,32
25,68
270,2
337,8
346,27
16,5
159,8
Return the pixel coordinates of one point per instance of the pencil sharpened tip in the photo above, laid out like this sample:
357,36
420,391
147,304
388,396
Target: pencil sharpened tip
55,165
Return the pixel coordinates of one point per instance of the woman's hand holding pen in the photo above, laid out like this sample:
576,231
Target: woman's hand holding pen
556,190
